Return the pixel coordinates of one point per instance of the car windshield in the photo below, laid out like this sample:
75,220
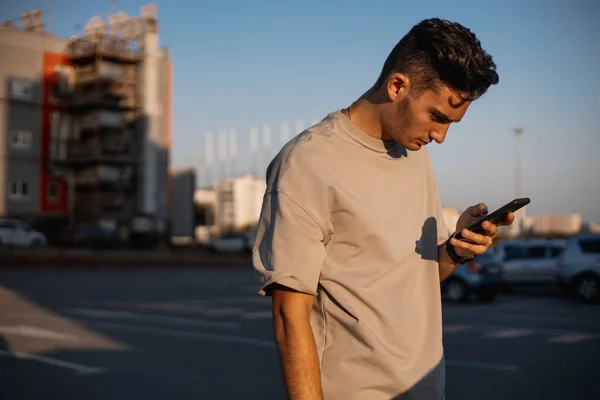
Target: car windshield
590,245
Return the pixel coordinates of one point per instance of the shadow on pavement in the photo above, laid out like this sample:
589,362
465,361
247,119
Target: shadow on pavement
75,358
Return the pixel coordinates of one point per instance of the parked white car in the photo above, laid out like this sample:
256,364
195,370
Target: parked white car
19,234
579,267
234,243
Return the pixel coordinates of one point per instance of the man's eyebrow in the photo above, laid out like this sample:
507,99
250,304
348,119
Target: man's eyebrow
442,116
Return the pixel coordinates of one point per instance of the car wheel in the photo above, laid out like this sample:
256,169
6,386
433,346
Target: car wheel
211,250
587,288
456,290
37,244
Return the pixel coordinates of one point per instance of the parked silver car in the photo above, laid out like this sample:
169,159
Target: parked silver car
578,269
529,262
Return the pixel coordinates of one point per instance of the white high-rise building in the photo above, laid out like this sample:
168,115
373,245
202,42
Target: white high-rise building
239,202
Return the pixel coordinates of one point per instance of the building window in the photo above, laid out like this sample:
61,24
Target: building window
53,191
21,89
55,93
21,139
19,190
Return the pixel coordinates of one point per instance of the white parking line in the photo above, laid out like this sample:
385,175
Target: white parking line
573,338
35,332
129,315
78,368
271,344
509,333
518,313
557,336
186,334
258,315
511,330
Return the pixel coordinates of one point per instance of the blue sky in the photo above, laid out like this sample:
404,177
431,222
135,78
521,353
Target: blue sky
240,64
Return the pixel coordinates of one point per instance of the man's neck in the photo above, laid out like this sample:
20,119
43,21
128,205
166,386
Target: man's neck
366,116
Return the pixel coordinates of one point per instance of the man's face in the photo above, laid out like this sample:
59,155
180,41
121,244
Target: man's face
413,121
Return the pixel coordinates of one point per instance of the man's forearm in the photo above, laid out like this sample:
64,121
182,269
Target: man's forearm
298,357
446,265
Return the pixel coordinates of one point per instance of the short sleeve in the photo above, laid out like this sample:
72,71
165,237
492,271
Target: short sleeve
434,201
443,234
289,246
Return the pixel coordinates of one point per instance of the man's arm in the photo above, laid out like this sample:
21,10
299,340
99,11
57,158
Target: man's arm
296,343
446,265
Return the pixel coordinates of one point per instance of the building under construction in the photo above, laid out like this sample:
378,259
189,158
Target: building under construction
99,128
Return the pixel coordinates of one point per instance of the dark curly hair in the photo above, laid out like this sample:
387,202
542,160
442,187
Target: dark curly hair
437,51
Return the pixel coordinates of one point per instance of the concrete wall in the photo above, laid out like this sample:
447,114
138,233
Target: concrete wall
162,140
148,166
155,136
22,58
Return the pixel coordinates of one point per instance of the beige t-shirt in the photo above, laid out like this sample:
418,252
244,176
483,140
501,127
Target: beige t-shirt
356,221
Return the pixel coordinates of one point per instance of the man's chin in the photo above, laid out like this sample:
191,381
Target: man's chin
413,147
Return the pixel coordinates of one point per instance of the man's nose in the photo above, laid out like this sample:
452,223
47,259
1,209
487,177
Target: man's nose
438,136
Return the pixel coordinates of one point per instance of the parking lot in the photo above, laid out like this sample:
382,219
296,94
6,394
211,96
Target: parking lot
206,334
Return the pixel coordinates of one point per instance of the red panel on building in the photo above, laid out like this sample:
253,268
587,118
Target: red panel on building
53,190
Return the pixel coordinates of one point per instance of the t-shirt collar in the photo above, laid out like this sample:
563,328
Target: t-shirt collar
377,145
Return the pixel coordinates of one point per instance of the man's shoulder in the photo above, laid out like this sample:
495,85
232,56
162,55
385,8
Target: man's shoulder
304,155
311,145
316,139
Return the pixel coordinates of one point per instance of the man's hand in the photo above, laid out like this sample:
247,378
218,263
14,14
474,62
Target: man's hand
481,242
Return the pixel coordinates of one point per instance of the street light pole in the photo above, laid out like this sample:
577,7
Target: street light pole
518,132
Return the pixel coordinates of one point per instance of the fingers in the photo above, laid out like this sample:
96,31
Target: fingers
466,249
478,210
510,218
474,243
475,239
484,238
490,229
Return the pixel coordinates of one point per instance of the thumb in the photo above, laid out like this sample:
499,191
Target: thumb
478,210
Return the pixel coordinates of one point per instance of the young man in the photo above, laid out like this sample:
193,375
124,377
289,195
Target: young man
351,242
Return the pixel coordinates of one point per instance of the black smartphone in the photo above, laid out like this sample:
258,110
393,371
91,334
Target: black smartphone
495,217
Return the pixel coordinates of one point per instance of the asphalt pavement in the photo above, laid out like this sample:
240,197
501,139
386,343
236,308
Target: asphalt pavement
206,334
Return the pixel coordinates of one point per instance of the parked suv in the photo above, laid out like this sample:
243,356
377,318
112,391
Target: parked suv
578,269
529,262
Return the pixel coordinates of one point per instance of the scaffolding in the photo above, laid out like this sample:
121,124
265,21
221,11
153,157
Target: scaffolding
103,143
35,20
